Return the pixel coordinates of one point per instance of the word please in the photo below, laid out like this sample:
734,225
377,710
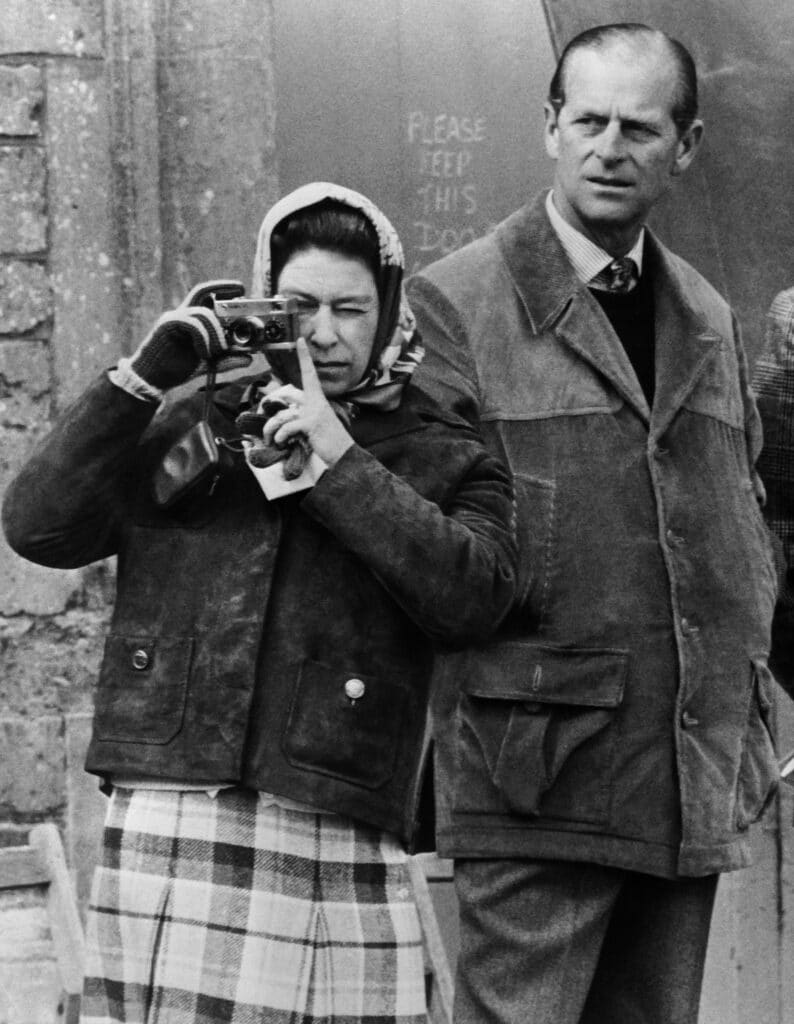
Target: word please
444,129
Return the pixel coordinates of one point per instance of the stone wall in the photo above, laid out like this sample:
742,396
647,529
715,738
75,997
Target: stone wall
58,314
137,157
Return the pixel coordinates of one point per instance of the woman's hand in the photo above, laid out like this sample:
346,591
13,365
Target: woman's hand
309,413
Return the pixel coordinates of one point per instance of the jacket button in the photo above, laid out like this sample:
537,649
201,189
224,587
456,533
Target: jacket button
354,689
688,720
673,538
140,660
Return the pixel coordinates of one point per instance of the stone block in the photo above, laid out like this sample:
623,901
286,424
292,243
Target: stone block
23,224
21,97
32,763
83,263
25,297
61,27
50,665
29,983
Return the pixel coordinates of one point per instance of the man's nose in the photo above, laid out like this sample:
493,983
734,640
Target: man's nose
610,144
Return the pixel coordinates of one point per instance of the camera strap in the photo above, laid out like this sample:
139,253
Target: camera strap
209,389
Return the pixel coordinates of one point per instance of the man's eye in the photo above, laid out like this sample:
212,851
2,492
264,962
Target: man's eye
305,306
351,310
590,124
639,132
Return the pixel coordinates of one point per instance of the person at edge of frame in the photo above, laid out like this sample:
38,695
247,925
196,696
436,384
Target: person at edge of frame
773,384
603,758
261,710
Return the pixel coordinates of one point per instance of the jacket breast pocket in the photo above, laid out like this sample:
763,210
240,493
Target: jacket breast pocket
142,689
346,724
758,769
537,730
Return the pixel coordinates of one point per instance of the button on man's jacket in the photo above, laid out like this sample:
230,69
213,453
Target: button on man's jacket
623,714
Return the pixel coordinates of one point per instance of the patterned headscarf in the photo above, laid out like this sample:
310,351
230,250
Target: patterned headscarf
397,350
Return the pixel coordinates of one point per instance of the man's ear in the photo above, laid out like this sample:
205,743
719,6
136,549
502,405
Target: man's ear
688,144
551,130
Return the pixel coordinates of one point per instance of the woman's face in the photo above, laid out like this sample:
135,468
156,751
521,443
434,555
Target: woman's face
338,311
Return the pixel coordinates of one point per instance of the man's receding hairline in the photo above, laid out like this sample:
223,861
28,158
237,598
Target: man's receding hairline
636,37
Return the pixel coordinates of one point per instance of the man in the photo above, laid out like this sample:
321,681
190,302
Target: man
602,761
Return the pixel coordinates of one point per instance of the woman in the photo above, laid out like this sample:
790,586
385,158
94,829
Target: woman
260,713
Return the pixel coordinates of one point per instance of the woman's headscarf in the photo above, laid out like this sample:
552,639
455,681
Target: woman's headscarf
397,350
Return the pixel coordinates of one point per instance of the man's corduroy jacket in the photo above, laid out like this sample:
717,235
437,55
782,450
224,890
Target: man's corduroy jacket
622,713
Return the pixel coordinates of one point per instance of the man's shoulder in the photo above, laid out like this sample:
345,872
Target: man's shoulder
484,258
697,290
782,306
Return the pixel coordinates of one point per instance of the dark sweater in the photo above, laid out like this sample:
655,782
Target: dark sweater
632,317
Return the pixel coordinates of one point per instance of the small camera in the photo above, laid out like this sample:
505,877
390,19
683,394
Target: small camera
252,325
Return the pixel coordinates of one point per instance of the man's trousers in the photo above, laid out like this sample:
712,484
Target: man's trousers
550,942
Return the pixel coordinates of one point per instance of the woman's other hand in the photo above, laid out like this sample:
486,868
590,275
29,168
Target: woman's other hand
309,413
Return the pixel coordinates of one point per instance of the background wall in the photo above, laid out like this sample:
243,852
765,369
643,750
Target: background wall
141,144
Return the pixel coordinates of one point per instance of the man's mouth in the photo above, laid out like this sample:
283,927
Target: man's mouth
609,182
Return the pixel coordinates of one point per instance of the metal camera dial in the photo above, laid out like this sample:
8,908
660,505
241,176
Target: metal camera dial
274,330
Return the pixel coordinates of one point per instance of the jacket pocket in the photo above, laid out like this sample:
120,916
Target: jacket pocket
759,775
345,724
539,723
142,689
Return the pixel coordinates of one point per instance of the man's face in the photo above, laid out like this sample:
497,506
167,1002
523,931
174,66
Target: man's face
614,139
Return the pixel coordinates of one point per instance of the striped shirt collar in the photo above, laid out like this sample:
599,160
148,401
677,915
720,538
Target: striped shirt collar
587,258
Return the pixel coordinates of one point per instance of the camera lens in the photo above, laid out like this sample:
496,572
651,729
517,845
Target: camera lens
242,332
274,330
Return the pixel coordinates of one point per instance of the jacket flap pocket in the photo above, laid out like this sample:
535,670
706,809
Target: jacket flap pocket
142,688
588,677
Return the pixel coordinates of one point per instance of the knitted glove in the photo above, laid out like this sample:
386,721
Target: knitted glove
183,337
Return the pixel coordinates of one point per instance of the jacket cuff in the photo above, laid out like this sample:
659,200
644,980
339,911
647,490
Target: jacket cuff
124,377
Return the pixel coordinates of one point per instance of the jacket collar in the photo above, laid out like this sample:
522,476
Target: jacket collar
555,299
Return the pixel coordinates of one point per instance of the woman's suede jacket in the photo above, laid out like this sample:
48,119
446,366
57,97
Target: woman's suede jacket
282,645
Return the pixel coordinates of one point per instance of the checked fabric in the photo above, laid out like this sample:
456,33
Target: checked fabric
231,908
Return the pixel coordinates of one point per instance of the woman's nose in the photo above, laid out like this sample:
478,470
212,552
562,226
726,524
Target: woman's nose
322,331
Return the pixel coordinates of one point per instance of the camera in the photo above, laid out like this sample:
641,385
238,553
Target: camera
253,325
269,326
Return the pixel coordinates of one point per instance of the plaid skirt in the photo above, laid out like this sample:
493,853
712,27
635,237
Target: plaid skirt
234,909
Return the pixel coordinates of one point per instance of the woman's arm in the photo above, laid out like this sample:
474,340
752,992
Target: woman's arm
452,570
63,508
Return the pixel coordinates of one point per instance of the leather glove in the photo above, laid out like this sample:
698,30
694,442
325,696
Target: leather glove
185,337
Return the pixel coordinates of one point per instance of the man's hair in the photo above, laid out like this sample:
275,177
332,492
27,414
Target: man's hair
326,225
685,103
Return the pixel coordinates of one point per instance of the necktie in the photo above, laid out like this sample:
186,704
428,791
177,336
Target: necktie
620,276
